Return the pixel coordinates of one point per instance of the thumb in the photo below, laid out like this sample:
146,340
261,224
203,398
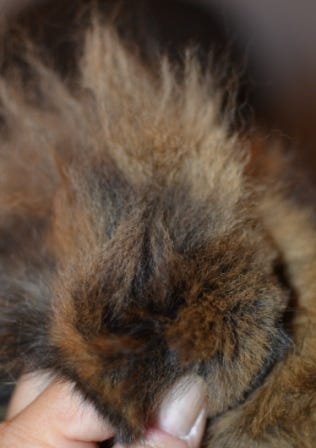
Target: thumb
58,417
182,417
184,411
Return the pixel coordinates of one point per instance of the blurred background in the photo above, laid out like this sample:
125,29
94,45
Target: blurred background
269,46
271,43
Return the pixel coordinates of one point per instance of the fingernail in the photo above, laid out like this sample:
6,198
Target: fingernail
183,411
194,437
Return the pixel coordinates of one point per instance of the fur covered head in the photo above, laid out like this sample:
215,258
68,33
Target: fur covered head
133,250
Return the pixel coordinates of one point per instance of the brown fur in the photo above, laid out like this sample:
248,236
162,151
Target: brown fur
137,246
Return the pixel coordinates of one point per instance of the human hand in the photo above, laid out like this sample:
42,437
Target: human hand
54,415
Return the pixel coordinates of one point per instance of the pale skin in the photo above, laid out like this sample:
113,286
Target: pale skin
53,415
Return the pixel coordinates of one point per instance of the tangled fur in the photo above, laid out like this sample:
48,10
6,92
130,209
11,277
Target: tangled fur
138,245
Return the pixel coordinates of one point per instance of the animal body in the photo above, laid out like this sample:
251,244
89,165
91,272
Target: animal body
141,241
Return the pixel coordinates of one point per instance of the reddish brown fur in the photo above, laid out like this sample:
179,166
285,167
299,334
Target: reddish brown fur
137,247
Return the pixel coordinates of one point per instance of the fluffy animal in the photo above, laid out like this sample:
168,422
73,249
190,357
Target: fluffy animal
140,241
